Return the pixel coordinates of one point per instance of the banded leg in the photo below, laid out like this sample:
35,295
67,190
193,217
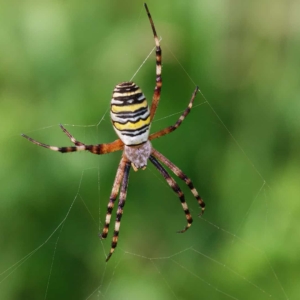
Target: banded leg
176,189
121,204
70,136
181,175
157,90
95,149
179,121
113,196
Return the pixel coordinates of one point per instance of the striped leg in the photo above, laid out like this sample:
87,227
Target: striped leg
156,95
121,204
179,121
181,175
70,136
113,196
95,149
176,189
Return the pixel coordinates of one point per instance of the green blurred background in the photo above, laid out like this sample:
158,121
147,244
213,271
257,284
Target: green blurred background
59,61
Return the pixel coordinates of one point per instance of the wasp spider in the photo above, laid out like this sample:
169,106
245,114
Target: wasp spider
131,119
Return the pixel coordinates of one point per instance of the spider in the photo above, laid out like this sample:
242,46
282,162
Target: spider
131,119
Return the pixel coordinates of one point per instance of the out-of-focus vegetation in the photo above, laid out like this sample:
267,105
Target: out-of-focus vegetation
59,61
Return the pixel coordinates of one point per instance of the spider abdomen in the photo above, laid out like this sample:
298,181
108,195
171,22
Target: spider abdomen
130,114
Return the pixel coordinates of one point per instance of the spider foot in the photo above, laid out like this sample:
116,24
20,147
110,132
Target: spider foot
201,212
108,256
185,229
102,235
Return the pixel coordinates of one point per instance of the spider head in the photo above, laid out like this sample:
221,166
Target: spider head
138,155
135,168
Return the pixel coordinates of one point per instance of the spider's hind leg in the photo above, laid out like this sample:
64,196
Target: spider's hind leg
158,55
178,122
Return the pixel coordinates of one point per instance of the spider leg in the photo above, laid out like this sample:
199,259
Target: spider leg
172,183
181,175
113,196
121,204
70,136
157,90
95,149
179,121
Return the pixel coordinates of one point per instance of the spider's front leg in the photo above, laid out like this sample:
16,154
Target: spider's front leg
182,176
123,194
174,186
113,196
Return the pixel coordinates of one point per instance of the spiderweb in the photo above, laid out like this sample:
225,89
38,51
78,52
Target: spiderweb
239,249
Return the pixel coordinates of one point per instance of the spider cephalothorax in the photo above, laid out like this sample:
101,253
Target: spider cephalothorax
131,118
138,155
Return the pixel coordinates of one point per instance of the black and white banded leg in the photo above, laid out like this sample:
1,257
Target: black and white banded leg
181,175
123,194
172,183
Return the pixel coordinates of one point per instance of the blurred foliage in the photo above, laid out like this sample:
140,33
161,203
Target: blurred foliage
59,63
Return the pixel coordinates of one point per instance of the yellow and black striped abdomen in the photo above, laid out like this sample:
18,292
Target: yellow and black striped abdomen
130,114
